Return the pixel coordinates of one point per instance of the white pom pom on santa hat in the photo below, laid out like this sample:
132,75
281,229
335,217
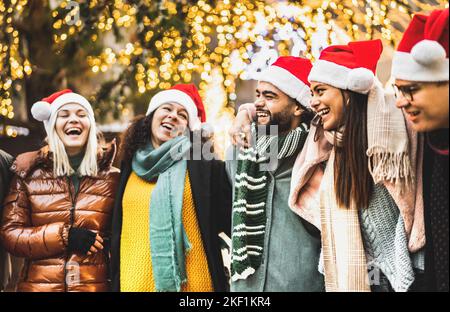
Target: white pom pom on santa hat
428,52
41,111
360,80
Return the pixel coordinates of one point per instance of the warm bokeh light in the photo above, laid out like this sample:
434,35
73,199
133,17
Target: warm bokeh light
161,43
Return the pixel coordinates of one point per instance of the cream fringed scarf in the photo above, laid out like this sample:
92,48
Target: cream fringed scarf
342,244
343,254
387,140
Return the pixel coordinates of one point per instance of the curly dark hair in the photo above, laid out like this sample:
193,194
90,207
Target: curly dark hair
138,134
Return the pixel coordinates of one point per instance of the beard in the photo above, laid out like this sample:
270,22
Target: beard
282,120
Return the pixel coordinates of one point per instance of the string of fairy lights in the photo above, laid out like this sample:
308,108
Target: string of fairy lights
167,42
13,65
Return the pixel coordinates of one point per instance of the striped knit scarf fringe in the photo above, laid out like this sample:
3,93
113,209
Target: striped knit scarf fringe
249,205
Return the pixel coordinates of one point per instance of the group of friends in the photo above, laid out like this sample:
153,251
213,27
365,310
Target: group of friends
350,194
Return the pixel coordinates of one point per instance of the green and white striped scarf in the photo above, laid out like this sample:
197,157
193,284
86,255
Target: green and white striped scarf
249,205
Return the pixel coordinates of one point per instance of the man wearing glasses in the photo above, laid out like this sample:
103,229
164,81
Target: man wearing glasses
421,71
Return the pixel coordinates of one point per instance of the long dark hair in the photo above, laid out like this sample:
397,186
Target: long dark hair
352,180
138,134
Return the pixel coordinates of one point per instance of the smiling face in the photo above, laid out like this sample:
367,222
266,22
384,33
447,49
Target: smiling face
73,126
273,107
429,107
328,102
169,121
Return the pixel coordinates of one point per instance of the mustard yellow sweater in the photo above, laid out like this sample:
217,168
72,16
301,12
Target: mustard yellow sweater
135,256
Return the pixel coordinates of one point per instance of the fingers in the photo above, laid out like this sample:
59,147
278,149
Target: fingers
240,131
237,138
232,134
244,137
241,136
99,239
242,140
233,141
97,246
248,138
248,135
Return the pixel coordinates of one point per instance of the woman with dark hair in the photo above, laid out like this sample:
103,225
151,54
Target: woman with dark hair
353,180
169,209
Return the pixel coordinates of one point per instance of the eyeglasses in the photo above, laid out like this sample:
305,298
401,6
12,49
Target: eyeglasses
407,91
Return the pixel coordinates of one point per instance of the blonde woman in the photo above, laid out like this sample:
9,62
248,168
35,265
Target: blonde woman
57,214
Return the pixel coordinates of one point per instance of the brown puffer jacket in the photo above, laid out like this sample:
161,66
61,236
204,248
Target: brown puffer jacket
36,210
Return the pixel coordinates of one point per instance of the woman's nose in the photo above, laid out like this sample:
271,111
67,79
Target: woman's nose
401,102
315,103
74,119
173,114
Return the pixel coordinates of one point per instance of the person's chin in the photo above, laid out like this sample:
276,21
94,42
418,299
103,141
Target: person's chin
263,121
422,126
74,143
163,138
327,126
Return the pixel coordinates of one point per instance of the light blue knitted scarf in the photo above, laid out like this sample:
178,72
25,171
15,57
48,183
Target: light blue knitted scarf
385,240
168,239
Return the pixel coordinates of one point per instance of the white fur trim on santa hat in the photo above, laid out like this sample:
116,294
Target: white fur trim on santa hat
358,79
405,67
69,98
287,83
179,97
43,111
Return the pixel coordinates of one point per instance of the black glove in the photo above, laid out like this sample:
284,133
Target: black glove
80,240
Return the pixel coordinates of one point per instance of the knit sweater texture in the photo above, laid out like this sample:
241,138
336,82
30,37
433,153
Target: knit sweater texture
385,241
136,265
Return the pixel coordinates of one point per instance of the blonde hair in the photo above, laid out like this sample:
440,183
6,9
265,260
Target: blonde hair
61,164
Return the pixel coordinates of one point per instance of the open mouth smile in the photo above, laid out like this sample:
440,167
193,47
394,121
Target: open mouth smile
168,126
262,113
413,113
73,132
323,112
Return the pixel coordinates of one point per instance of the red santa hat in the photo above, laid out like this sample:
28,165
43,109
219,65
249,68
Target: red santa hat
186,95
290,75
45,109
348,67
422,54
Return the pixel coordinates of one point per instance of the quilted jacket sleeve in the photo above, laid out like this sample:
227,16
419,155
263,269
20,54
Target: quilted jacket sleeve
18,235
